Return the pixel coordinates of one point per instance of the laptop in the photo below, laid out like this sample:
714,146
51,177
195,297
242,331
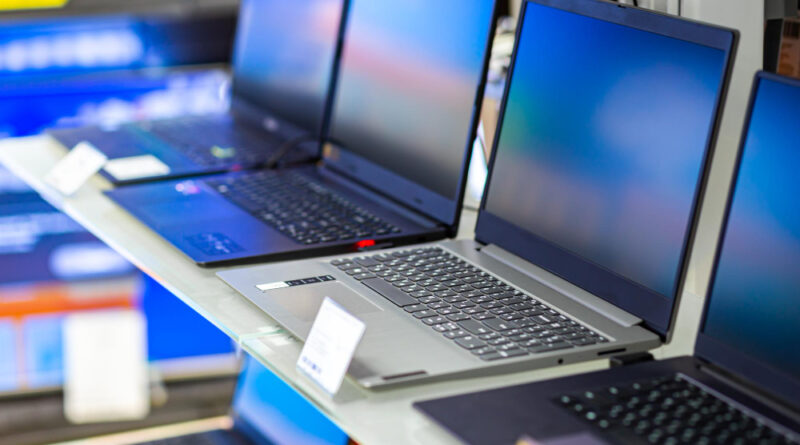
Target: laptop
743,384
266,411
283,68
394,165
582,236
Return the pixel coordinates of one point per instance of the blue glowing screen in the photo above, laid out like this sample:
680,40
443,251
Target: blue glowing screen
409,74
603,140
284,56
754,304
278,413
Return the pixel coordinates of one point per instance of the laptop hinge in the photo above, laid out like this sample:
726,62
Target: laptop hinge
562,286
750,390
630,359
345,181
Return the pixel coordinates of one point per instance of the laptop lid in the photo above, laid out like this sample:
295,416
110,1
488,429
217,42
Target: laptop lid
751,324
406,104
608,122
270,412
283,60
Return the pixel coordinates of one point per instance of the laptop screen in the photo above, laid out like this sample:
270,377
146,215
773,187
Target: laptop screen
284,56
753,305
602,147
271,412
403,108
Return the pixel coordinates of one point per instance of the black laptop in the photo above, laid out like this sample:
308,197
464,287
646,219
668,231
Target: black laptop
284,63
743,384
394,166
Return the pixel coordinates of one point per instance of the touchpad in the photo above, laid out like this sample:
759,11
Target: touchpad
304,301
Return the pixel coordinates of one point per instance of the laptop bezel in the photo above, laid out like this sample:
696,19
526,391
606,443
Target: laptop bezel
656,310
418,198
709,348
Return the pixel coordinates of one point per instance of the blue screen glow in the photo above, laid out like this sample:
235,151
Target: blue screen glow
278,413
603,140
284,56
754,304
407,86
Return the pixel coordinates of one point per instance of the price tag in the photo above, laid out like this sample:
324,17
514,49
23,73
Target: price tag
136,167
330,346
71,172
105,366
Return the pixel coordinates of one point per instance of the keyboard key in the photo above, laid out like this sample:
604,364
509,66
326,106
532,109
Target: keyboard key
456,333
500,325
444,327
482,351
511,317
474,327
458,317
470,342
547,347
491,356
434,320
513,352
424,314
448,311
501,310
367,262
582,341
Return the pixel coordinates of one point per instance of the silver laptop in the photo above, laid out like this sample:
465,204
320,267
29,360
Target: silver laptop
590,207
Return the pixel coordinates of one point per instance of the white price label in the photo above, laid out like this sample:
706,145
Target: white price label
71,172
330,346
136,167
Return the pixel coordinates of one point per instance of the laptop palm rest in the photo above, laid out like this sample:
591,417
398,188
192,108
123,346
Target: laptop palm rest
303,302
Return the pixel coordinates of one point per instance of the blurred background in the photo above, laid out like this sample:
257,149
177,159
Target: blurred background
84,62
100,62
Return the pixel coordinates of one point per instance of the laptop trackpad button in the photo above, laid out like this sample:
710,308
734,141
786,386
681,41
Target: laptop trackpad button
304,301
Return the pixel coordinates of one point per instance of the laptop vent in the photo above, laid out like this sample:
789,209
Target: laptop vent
403,375
611,351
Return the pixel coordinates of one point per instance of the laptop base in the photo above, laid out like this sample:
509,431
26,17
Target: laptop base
541,411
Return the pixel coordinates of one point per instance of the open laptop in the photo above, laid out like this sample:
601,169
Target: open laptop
581,242
283,70
394,168
743,384
266,411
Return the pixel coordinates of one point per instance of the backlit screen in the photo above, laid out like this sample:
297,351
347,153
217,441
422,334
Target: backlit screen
603,140
284,56
278,414
409,74
754,304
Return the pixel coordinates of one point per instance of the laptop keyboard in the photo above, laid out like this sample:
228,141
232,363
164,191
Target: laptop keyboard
667,410
475,310
215,141
300,208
